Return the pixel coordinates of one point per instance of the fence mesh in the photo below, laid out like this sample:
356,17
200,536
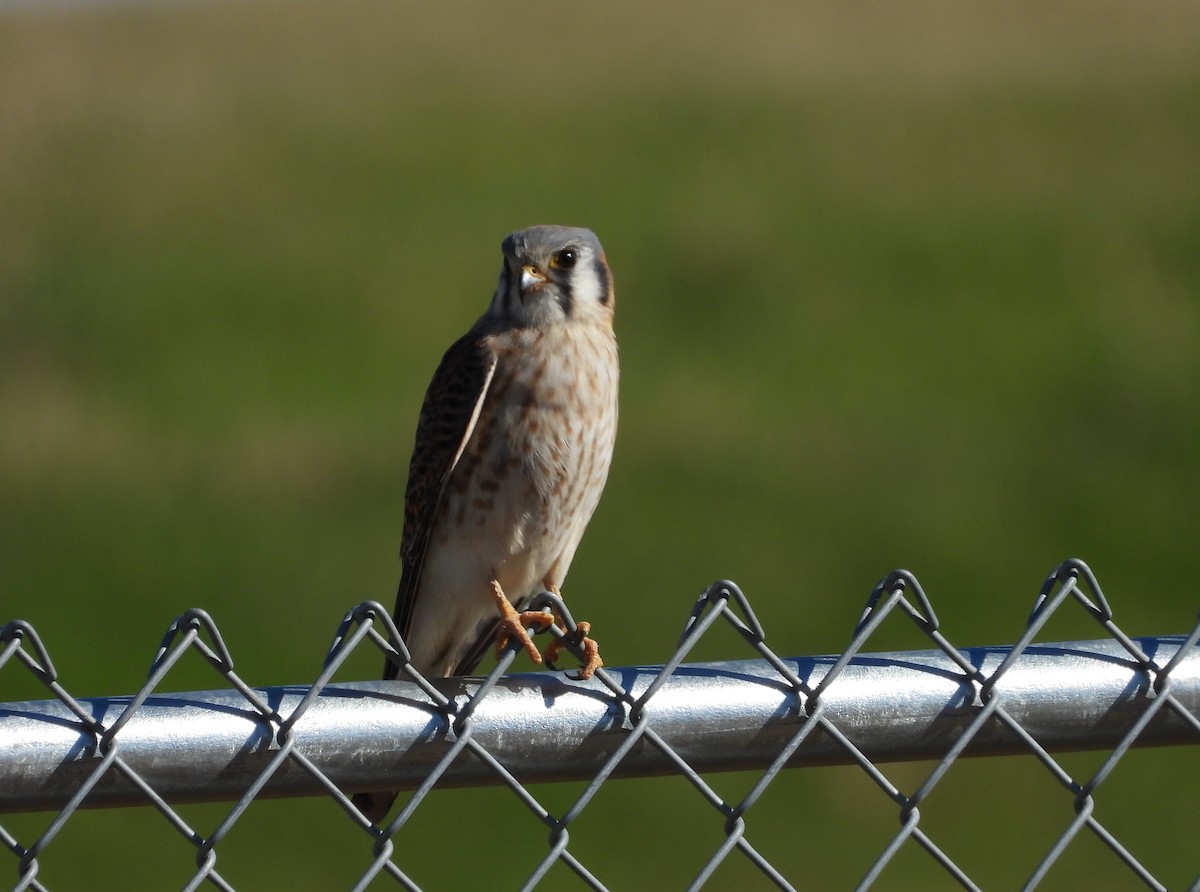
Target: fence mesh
1157,700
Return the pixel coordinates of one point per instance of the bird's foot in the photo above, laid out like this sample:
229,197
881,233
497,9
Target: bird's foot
591,650
516,625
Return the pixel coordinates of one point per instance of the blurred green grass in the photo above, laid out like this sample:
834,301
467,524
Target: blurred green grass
896,287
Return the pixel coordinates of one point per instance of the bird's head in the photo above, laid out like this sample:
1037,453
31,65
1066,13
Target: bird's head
553,275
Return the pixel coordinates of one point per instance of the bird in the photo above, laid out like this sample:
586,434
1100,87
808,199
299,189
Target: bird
512,451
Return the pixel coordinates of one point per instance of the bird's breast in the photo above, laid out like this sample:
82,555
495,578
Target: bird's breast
536,463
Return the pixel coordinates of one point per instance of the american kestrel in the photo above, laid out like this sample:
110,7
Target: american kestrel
512,452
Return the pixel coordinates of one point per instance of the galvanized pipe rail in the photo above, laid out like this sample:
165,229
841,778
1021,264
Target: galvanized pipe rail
212,745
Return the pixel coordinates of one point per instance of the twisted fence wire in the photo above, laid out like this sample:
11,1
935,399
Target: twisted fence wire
369,623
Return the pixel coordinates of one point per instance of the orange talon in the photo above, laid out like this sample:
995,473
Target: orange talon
513,624
591,650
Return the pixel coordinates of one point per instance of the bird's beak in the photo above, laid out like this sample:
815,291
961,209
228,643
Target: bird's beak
531,277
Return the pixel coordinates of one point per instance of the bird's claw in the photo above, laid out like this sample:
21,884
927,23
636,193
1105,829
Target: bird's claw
591,650
515,625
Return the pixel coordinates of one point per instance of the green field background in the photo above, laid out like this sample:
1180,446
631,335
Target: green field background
897,286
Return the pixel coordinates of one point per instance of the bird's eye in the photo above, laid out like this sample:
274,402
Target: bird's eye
564,259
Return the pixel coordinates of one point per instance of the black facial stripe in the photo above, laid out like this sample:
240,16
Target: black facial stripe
567,300
604,278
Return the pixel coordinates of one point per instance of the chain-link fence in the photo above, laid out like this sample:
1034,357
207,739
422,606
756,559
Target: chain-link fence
861,709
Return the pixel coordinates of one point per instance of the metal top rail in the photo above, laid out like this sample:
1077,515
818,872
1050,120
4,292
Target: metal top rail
210,745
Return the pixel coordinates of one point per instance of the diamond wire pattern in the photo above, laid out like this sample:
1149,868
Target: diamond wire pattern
898,593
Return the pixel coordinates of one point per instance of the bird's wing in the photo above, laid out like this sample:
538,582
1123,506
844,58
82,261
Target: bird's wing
448,417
